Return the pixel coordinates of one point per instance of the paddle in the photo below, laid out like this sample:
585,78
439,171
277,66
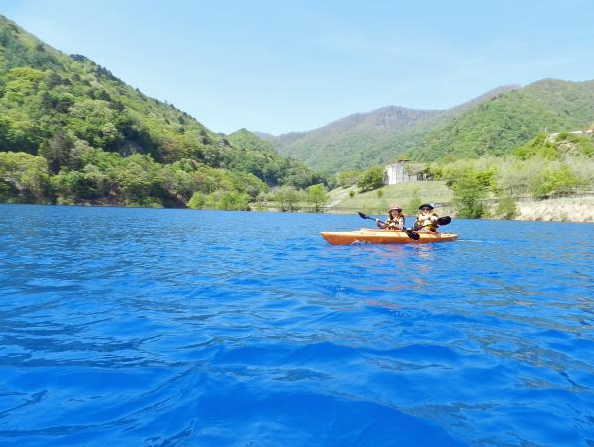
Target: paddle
444,220
411,234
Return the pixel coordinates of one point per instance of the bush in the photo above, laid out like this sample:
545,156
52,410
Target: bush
553,181
348,178
506,207
197,201
233,200
220,200
468,193
371,178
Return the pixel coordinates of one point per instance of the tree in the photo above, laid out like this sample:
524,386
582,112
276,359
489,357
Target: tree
234,200
506,207
554,181
23,178
347,178
468,193
59,151
287,197
372,178
316,194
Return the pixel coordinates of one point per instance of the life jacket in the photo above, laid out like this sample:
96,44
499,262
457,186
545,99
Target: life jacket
395,223
427,221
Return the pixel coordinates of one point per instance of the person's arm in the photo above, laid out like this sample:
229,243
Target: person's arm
401,223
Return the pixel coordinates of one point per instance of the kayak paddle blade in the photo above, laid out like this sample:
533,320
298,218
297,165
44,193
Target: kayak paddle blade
411,234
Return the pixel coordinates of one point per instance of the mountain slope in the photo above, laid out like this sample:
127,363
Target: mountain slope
98,134
342,143
493,123
498,125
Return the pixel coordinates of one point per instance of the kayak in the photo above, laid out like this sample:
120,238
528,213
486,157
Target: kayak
384,237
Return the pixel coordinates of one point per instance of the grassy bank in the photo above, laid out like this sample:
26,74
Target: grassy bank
407,195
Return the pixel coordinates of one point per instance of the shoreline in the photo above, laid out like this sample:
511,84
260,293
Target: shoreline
559,210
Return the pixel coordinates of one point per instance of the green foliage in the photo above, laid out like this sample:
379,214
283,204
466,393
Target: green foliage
24,178
538,146
259,158
103,142
491,125
221,200
317,195
506,207
558,180
348,178
233,200
287,197
469,189
371,178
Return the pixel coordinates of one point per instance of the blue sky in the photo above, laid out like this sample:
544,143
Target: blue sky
278,66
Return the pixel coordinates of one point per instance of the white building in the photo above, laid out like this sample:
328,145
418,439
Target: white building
396,173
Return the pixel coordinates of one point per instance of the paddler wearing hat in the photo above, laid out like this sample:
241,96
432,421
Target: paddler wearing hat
426,219
395,220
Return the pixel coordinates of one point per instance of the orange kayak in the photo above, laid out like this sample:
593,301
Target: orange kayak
383,237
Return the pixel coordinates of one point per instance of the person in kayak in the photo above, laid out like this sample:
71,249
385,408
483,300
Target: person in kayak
395,219
426,219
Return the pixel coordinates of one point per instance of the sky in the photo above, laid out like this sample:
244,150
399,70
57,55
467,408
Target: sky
280,66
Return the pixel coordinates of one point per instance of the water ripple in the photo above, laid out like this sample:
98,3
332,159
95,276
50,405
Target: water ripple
172,327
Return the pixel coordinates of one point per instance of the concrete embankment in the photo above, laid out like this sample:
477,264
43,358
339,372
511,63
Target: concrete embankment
558,210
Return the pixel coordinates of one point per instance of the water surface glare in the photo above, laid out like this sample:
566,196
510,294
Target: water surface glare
143,327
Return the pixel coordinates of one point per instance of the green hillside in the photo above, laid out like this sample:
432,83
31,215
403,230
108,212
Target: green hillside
498,125
493,123
258,157
347,143
71,132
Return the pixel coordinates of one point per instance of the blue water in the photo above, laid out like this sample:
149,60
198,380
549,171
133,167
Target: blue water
141,327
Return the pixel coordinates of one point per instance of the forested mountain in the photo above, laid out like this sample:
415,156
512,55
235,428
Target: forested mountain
498,125
70,131
493,123
345,142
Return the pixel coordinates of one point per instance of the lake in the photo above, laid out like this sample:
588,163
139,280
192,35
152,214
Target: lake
203,328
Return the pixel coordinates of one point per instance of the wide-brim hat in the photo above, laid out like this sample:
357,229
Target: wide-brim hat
426,205
394,207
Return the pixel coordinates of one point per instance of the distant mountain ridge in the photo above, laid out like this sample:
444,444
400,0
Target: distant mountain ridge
494,122
321,147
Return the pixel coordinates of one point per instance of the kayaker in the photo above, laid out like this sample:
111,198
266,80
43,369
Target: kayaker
426,219
395,219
